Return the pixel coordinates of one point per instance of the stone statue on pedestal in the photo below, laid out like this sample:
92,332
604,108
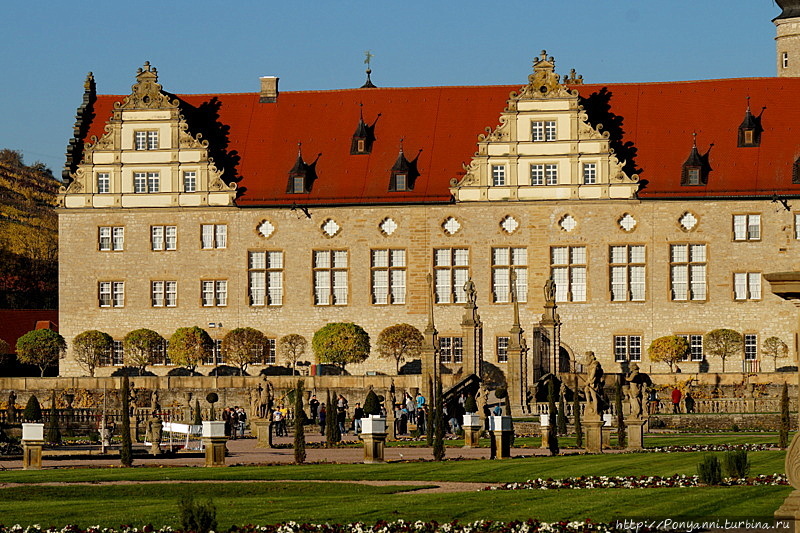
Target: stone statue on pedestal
634,391
594,383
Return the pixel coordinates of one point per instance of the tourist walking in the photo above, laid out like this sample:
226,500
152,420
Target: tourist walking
358,414
676,400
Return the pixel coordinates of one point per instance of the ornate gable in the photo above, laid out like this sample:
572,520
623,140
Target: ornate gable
544,148
146,157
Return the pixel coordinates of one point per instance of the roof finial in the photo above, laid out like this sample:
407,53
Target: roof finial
401,144
694,139
368,55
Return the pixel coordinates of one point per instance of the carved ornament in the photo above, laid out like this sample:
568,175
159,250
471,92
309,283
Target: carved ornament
544,82
146,92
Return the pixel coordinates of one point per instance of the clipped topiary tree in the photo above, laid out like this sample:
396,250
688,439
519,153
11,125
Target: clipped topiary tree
198,414
41,347
140,347
372,405
212,398
775,348
552,418
33,411
53,435
783,432
126,449
332,434
299,421
470,405
399,342
341,343
292,347
188,347
668,349
723,343
90,348
243,346
562,415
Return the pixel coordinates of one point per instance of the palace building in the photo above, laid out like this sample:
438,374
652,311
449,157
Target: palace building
655,208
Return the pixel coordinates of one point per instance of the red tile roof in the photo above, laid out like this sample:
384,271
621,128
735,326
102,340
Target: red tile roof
444,122
14,323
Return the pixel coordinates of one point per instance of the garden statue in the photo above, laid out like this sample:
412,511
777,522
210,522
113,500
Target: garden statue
154,428
549,291
594,383
254,395
154,401
635,391
187,411
11,408
266,398
472,294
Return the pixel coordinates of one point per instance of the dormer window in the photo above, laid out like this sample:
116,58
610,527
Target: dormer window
401,182
302,175
298,185
363,137
361,145
404,173
696,168
750,129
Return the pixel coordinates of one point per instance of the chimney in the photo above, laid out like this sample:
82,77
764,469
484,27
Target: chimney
269,89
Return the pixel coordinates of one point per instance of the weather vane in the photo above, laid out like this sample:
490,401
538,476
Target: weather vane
368,57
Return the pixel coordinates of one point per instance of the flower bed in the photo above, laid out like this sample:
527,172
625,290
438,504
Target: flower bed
633,482
400,526
711,448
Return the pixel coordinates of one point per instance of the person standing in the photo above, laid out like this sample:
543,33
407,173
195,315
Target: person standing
322,420
313,406
358,414
676,400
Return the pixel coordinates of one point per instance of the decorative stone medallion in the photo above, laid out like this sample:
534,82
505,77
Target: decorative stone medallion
451,226
568,223
688,221
388,226
265,229
330,228
509,224
627,222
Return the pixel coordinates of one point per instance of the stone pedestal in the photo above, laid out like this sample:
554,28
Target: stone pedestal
214,440
373,447
544,426
594,435
472,430
32,454
635,428
263,432
501,432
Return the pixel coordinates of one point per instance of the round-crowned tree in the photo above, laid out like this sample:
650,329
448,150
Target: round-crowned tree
189,346
723,343
668,349
243,346
292,347
399,342
90,348
41,347
140,348
341,343
774,347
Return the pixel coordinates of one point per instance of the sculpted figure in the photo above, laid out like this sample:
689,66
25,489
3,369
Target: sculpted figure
11,408
549,290
254,403
634,391
267,396
469,288
154,401
594,383
187,412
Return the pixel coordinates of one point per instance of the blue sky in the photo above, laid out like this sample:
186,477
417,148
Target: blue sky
220,47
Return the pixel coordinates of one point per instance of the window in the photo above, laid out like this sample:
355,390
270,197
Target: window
695,348
504,260
543,130
589,173
693,176
568,270
160,356
544,174
746,227
388,277
750,347
451,271
217,356
298,185
146,140
747,286
214,292
117,354
146,182
502,349
190,181
269,357
111,238
627,273
627,348
688,271
785,59
400,182
213,236
103,182
163,238
797,226
451,349
498,175
265,275
164,293
330,277
111,293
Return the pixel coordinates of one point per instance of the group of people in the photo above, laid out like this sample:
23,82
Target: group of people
278,422
235,420
412,410
676,395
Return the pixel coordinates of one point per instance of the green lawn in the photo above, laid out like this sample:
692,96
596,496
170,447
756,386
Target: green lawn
261,503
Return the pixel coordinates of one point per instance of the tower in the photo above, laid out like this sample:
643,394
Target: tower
787,38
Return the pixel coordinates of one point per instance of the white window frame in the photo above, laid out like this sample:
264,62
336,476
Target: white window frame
214,292
388,276
627,272
330,270
451,349
111,294
145,139
265,277
163,238
627,348
111,238
504,260
688,272
103,182
568,267
747,227
498,175
190,181
146,182
589,173
501,345
751,347
213,236
695,353
164,293
451,272
746,286
537,174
